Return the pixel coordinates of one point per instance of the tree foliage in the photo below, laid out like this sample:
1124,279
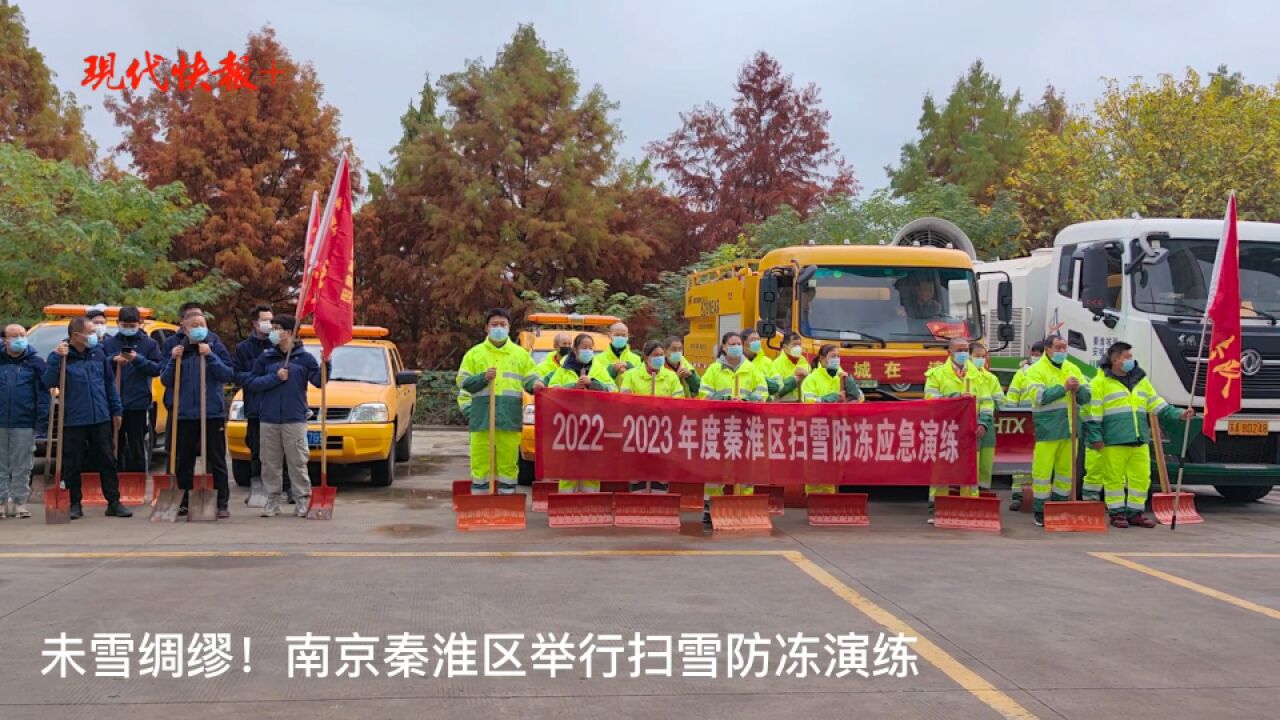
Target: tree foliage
731,169
254,157
71,238
588,298
1169,149
32,111
515,189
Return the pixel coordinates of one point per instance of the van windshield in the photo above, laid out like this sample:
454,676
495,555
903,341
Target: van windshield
1179,284
894,304
356,363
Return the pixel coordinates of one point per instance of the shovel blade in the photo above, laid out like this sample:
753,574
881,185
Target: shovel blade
460,487
1075,516
740,513
793,496
647,510
541,490
838,509
257,493
967,513
566,510
490,512
57,503
690,495
321,507
202,504
91,489
168,499
133,488
1162,508
776,495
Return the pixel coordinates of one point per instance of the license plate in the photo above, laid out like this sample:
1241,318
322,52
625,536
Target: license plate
1248,427
313,438
872,384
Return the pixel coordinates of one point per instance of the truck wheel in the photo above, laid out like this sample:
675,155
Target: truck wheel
526,476
242,470
404,446
1243,493
383,472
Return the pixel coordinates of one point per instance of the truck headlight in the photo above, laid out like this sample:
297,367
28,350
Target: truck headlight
369,413
528,414
237,411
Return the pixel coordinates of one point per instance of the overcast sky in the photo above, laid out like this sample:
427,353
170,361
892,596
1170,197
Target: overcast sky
873,61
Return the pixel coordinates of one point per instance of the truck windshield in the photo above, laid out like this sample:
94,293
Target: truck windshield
896,304
356,363
1179,285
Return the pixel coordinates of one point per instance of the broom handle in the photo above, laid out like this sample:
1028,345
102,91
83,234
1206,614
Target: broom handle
493,436
1157,441
204,440
48,445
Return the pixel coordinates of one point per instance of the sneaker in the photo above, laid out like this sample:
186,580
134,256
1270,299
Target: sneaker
271,509
1039,519
1119,520
223,513
22,511
301,509
76,512
8,510
115,509
1141,520
1015,505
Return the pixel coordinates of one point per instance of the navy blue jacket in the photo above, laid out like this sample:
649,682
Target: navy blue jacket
218,372
285,402
135,377
247,353
91,386
24,399
180,337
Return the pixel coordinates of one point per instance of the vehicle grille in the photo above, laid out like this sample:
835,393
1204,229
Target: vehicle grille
1267,380
1239,449
334,414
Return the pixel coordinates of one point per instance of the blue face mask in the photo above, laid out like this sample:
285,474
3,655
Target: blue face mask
962,358
676,357
1128,365
657,363
833,364
979,362
18,345
91,340
498,334
586,356
198,334
273,337
128,332
1058,358
733,351
755,346
618,342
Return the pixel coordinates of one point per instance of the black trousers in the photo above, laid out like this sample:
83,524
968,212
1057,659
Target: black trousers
189,450
132,451
89,446
251,438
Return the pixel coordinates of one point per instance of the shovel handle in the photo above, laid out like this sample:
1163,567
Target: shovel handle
48,442
1157,447
204,440
62,414
493,435
1072,423
173,421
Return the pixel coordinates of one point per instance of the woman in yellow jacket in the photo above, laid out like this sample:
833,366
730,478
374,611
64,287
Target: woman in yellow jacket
790,368
689,378
828,384
577,371
731,377
654,379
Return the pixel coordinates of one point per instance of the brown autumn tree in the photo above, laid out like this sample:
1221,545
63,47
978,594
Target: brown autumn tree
253,156
739,167
33,113
515,189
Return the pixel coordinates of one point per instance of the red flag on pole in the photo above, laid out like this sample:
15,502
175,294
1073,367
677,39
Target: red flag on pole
306,300
1222,394
329,287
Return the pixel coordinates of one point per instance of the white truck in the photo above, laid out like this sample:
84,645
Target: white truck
1146,281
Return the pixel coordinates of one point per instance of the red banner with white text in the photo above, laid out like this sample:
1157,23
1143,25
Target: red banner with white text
585,435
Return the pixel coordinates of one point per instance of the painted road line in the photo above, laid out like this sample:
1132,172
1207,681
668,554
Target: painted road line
924,647
1246,556
543,553
1188,584
136,554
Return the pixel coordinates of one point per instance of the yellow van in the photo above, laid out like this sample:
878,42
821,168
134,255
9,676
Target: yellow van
371,399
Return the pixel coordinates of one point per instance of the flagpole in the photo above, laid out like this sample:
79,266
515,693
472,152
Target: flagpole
1186,430
306,259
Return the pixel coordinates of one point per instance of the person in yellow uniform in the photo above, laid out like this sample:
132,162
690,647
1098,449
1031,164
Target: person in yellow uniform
957,378
731,377
580,371
562,345
828,384
683,369
617,357
1015,398
1049,382
655,379
790,368
753,349
499,366
986,387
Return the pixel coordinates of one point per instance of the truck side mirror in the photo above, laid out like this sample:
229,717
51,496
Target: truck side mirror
767,330
1004,302
407,377
768,300
1093,285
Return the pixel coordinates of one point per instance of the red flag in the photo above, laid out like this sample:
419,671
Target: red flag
306,299
330,288
1222,393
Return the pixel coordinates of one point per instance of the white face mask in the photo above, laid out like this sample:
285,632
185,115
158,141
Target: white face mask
795,351
264,326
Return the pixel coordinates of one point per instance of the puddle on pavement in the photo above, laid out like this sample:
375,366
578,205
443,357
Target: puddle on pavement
406,530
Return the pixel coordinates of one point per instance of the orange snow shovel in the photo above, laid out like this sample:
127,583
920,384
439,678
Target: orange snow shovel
959,512
1072,515
690,495
828,509
542,489
460,487
1164,502
655,511
737,513
492,511
57,499
321,507
581,509
169,500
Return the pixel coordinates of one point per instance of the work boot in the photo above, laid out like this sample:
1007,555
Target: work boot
1090,495
75,513
182,511
1039,519
1141,520
223,513
1015,505
1119,520
22,511
271,509
115,509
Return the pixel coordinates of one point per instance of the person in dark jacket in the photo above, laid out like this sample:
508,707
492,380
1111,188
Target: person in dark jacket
218,371
281,375
92,413
179,338
247,353
24,403
135,360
